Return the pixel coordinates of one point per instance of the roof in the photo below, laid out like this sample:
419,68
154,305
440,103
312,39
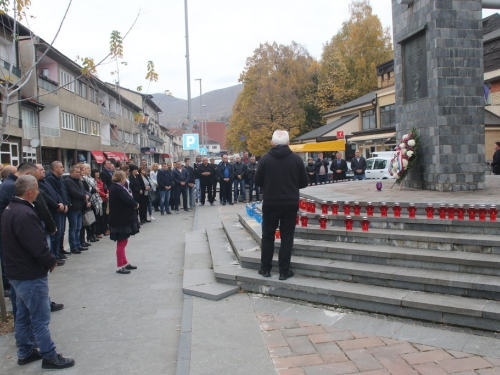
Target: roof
491,119
491,36
147,97
365,99
317,133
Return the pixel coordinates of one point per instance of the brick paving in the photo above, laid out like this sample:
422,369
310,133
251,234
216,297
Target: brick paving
301,348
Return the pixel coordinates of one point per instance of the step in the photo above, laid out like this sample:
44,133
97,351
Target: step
437,307
457,261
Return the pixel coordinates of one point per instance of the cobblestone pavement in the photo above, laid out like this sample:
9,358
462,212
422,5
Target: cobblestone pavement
303,348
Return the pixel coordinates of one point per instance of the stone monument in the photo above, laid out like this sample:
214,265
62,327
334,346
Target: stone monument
438,64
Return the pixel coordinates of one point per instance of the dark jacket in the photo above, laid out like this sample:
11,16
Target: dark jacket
164,178
58,185
214,175
495,164
361,164
191,175
51,197
240,169
76,193
334,167
105,176
26,253
203,169
136,186
122,212
310,168
318,163
281,174
251,169
220,171
196,171
180,176
7,192
44,213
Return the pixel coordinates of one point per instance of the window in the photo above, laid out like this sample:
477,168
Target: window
214,147
66,80
388,116
29,123
369,164
9,153
95,128
81,89
82,125
368,119
92,95
380,164
67,121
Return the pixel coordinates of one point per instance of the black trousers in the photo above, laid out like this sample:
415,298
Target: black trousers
206,187
214,188
282,217
225,191
143,207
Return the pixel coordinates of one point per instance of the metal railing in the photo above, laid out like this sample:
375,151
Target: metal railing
49,130
103,110
46,85
112,114
30,132
15,69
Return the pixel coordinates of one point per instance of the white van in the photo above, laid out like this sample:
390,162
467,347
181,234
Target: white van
378,168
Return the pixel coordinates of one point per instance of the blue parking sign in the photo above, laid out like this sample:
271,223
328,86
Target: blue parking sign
203,151
190,141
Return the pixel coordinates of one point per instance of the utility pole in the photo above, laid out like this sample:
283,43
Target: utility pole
201,114
188,73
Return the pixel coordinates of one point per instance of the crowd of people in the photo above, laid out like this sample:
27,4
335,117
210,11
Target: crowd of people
317,170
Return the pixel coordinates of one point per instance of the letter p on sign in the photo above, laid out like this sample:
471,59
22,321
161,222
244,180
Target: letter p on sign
190,141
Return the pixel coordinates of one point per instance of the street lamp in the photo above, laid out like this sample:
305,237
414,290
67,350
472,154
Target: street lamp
201,112
204,128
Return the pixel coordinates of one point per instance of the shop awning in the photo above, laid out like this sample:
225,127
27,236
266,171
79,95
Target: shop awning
373,137
297,148
338,145
117,156
165,156
98,156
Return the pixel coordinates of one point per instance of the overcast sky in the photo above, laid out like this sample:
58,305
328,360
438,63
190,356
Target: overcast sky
222,34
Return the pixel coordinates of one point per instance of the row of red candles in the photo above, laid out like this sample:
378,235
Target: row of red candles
304,219
445,211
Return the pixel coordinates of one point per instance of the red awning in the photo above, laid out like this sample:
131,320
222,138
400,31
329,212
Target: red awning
165,155
117,156
98,156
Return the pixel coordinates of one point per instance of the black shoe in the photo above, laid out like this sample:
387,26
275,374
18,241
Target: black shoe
162,214
202,204
63,257
197,201
86,244
130,267
143,222
57,362
56,306
186,209
231,203
148,221
123,271
76,251
212,204
169,213
264,273
6,293
59,262
81,248
91,240
34,356
65,252
286,275
223,204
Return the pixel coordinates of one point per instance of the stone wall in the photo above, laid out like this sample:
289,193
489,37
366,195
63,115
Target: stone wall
450,119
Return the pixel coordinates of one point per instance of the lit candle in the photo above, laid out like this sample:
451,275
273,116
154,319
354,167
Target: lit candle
472,212
277,234
412,210
347,208
322,222
493,212
304,219
430,211
460,212
324,208
348,222
442,211
364,224
451,212
335,208
369,209
383,209
482,212
357,208
397,210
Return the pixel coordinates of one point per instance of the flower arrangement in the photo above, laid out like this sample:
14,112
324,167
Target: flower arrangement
405,156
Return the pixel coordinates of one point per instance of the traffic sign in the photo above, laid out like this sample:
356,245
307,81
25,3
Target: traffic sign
203,151
340,134
190,141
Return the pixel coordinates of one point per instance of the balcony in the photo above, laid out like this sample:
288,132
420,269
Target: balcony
49,130
15,70
103,110
48,85
114,142
112,114
30,132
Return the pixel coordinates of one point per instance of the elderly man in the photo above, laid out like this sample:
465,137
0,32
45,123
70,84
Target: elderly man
339,167
240,171
205,171
251,169
358,166
27,262
79,199
225,172
281,174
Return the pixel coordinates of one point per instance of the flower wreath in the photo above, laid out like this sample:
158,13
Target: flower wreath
405,156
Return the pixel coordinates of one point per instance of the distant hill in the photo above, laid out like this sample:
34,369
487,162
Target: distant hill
219,106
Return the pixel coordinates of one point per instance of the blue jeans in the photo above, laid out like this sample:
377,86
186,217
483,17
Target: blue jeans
359,177
165,197
33,317
56,238
190,191
198,192
321,179
241,184
251,186
75,225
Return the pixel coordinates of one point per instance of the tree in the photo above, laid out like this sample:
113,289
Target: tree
349,60
279,89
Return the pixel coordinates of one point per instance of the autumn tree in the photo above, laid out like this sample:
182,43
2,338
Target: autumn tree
349,60
279,93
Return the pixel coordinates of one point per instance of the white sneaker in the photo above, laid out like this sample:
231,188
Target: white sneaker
152,218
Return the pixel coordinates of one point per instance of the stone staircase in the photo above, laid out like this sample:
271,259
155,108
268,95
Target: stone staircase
445,271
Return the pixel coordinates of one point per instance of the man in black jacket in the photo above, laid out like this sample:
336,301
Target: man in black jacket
240,171
225,172
214,178
251,169
358,166
321,166
27,262
205,171
197,180
281,174
339,167
495,164
54,179
79,199
164,180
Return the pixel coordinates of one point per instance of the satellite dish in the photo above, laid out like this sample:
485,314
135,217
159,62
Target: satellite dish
35,142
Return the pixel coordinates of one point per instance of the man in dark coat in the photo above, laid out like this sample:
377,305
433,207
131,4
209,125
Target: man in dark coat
240,171
27,262
79,198
214,178
281,174
358,166
164,180
190,183
205,171
225,172
339,167
495,164
54,179
180,176
321,166
251,169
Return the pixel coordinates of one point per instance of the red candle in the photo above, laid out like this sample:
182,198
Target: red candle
442,211
357,208
324,208
397,210
364,224
460,212
303,204
482,212
430,211
369,209
348,222
412,210
335,208
308,205
347,208
277,234
383,209
304,219
451,212
313,206
493,212
472,212
322,222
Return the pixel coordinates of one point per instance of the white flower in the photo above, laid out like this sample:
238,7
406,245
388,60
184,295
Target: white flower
402,145
405,136
410,154
405,163
411,142
404,152
395,165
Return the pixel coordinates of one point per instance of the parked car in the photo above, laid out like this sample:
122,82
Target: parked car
378,168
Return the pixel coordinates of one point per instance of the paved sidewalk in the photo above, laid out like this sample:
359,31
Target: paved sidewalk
118,324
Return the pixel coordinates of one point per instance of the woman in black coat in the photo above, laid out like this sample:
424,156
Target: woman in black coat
138,189
122,219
